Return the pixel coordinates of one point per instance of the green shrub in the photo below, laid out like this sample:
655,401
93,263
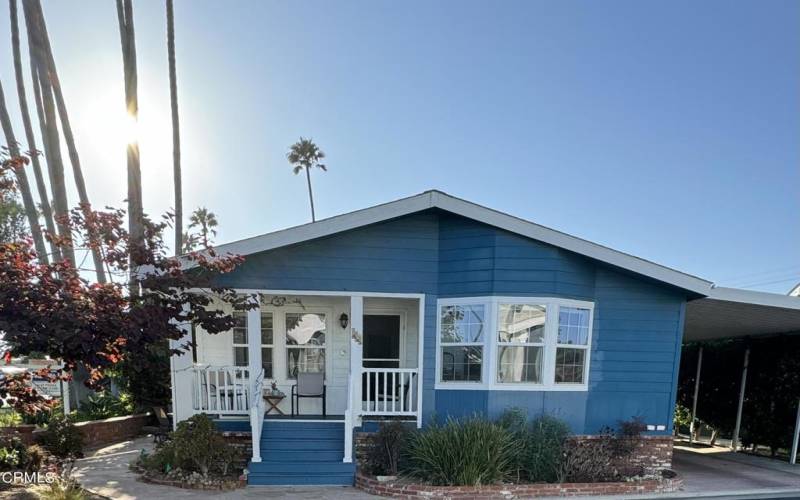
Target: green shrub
515,421
544,448
467,452
63,489
13,453
105,405
540,445
385,446
62,438
196,446
9,418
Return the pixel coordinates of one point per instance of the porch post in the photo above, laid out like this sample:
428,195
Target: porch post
181,374
696,391
793,456
254,370
737,428
353,412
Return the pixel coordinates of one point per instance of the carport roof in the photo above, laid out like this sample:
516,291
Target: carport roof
732,313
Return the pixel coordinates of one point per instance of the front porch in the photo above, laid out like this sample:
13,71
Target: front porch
367,346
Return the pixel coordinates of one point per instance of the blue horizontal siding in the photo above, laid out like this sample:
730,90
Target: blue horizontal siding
637,325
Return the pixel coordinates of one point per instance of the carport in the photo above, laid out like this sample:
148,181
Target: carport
729,313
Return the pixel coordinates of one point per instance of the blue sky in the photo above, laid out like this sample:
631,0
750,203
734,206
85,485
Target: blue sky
664,129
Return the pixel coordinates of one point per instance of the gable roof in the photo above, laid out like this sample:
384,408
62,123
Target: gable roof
443,201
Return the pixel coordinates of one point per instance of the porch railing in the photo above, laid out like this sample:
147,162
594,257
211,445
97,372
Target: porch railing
222,390
390,391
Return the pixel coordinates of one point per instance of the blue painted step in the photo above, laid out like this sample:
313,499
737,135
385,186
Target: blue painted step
296,453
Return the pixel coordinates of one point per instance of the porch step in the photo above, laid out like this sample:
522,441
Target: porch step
298,453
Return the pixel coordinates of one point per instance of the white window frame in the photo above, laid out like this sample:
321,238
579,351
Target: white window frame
328,313
490,344
246,344
487,311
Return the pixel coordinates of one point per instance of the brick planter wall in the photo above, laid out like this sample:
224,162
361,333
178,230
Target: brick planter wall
421,491
651,453
243,443
98,433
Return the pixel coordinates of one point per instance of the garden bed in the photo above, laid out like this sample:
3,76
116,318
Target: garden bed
189,480
405,489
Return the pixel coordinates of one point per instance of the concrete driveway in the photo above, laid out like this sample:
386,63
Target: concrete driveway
714,471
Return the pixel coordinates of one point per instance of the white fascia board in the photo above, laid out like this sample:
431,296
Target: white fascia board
327,227
438,199
755,298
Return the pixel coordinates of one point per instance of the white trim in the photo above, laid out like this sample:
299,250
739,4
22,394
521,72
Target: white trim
420,357
443,201
490,344
755,298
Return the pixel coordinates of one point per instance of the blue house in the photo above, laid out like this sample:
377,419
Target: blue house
428,307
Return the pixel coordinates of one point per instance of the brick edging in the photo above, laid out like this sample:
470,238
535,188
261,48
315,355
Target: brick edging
422,491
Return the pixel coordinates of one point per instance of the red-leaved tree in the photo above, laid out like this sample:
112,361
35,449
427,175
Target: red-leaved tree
52,308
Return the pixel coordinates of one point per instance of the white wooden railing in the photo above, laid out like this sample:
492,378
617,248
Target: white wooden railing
390,391
222,390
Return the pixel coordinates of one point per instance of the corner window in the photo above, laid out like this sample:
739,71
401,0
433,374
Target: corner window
520,343
461,339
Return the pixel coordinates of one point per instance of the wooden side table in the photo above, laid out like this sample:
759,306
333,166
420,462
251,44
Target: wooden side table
273,401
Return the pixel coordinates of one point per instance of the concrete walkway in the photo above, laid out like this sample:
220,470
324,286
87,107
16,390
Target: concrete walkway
105,472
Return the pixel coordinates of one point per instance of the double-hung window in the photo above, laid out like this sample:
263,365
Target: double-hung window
520,343
305,343
514,343
461,339
241,347
572,345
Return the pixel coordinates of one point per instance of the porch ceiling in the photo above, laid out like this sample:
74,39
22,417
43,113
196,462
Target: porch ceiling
732,313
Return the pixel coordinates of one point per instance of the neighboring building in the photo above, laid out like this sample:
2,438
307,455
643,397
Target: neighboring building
432,305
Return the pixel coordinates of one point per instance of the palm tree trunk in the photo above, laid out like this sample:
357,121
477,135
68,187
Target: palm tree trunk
22,180
44,198
50,136
310,194
176,136
135,211
69,139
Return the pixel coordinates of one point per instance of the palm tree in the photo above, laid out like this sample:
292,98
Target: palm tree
304,154
176,136
22,181
44,199
135,209
69,139
45,106
206,222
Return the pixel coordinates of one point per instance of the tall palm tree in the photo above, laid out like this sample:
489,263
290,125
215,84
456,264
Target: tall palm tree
135,209
44,199
176,136
305,155
22,181
205,222
45,106
69,139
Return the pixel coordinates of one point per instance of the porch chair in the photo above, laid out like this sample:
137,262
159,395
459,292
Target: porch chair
309,385
161,431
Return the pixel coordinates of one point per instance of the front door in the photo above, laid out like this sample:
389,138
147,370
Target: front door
381,341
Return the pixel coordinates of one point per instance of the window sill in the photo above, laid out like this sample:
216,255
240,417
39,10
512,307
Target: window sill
461,386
